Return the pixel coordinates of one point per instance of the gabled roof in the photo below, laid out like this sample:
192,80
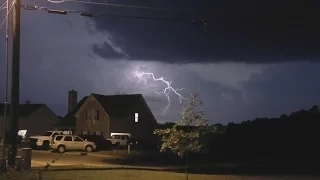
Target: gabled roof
113,105
118,105
123,105
69,119
24,109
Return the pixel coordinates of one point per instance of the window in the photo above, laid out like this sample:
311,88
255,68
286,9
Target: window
98,133
68,138
115,137
86,114
97,115
136,116
84,132
58,138
77,139
54,134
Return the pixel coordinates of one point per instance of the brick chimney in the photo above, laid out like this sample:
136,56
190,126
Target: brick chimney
72,100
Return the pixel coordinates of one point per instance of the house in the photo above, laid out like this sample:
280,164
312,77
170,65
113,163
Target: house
102,115
35,118
68,122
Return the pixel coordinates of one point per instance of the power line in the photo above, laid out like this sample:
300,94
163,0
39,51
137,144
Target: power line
117,5
7,14
57,2
90,14
4,5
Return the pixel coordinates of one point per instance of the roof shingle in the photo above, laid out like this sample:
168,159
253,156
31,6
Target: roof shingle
119,105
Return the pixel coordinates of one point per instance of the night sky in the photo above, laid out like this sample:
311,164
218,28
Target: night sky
253,59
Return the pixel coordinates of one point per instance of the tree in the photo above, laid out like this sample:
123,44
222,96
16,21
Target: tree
186,135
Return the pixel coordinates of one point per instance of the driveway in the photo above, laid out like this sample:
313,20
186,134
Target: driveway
41,158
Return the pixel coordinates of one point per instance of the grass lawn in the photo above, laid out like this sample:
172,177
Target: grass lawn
91,173
121,175
149,175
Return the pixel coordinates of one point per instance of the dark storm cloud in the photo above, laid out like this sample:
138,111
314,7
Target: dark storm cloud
107,50
152,98
283,89
239,31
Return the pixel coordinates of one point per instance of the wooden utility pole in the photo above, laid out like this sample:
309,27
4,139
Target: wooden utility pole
15,73
6,83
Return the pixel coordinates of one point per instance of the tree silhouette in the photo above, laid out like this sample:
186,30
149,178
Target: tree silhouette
187,138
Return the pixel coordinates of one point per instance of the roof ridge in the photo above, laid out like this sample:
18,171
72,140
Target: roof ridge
117,94
26,104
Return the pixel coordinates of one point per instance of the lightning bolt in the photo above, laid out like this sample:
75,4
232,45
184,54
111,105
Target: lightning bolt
166,91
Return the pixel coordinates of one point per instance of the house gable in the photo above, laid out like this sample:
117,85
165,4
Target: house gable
88,125
35,118
91,97
43,119
118,115
121,110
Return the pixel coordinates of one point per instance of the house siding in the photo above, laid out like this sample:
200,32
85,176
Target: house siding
143,129
125,123
84,125
120,125
43,119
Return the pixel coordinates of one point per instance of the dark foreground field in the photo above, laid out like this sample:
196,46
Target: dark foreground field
295,165
93,173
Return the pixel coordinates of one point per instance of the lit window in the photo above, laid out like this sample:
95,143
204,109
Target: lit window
136,115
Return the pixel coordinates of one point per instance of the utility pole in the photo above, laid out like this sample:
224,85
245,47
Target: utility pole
15,73
6,83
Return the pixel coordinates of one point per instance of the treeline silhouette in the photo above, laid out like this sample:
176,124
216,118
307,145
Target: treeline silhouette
292,136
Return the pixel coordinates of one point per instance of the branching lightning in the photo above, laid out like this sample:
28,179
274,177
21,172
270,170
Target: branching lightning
166,91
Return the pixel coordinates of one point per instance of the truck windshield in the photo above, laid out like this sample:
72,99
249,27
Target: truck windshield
47,134
115,137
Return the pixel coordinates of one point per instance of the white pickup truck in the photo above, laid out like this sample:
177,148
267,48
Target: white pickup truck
119,139
43,141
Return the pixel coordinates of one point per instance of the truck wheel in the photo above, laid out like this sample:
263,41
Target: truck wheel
117,145
46,145
89,148
61,149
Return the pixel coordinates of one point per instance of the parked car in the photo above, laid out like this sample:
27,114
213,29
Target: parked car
101,142
62,143
43,141
119,139
139,144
